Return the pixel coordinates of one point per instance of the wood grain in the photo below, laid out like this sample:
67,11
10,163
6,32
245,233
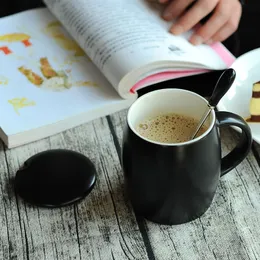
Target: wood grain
230,227
102,226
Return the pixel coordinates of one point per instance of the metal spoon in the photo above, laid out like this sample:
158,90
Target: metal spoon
223,84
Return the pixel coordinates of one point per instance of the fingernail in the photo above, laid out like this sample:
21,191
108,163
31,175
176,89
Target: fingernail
177,29
196,40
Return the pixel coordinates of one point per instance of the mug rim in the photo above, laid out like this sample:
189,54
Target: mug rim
213,114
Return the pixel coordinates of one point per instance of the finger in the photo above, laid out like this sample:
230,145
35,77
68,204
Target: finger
159,1
176,8
163,1
220,17
192,17
228,29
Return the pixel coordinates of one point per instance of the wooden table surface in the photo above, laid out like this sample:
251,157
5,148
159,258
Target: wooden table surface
104,226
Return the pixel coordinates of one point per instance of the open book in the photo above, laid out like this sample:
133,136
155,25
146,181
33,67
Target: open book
75,61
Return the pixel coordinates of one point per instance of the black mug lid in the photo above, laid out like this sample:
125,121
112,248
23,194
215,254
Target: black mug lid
55,178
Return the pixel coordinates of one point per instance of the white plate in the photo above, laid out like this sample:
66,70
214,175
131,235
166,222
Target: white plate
237,99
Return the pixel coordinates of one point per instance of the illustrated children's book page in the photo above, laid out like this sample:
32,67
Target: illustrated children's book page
45,77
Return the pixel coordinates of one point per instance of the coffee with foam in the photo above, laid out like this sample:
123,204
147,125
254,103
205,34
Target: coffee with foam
169,128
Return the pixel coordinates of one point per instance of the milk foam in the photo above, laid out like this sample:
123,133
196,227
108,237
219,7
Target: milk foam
169,128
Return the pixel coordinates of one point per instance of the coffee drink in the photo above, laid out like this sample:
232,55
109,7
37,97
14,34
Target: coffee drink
168,180
169,128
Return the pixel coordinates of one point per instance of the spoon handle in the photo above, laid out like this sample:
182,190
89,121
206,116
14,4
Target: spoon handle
223,85
203,119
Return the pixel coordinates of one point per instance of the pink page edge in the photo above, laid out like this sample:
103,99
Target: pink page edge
221,50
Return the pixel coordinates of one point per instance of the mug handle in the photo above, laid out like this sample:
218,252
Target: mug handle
239,153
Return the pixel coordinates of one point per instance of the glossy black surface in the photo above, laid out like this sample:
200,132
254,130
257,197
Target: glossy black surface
232,159
176,184
55,178
223,85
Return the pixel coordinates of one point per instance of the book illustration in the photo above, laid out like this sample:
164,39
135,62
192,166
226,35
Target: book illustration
3,80
46,69
31,76
19,103
52,79
54,30
11,38
254,107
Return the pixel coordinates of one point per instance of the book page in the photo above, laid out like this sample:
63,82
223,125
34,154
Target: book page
121,36
46,78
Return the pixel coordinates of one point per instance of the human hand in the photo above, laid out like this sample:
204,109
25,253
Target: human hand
223,22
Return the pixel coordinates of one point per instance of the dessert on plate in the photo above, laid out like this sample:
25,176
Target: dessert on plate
254,107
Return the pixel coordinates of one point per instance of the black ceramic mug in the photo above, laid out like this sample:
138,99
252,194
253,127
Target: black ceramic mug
174,183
